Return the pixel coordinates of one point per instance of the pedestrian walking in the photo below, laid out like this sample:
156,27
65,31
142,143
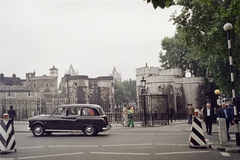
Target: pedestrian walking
12,114
225,113
125,116
208,118
171,112
130,117
190,112
231,110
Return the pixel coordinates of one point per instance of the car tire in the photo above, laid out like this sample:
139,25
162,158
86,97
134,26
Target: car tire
89,131
38,130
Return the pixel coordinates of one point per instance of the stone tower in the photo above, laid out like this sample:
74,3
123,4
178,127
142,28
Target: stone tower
53,72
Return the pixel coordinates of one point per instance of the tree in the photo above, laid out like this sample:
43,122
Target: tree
124,92
178,55
201,24
130,87
160,3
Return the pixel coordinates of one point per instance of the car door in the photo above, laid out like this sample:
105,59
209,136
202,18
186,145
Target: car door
88,116
57,120
72,121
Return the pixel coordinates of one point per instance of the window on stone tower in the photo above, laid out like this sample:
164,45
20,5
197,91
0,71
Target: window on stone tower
46,85
34,86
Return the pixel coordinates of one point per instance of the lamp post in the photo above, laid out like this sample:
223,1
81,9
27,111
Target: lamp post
143,92
211,95
217,93
228,27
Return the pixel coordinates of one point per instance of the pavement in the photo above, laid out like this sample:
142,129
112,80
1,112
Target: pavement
212,140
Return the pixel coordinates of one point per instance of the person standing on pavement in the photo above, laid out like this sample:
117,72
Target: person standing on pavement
231,110
12,114
171,112
225,113
125,115
208,118
130,117
190,112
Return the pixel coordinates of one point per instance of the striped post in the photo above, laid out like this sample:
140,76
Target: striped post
228,27
197,138
7,138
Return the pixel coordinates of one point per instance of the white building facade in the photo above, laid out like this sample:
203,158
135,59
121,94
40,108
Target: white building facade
179,90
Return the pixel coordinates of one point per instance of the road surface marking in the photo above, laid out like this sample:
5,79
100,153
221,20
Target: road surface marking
72,146
30,147
225,154
53,155
142,133
169,153
167,144
118,153
123,145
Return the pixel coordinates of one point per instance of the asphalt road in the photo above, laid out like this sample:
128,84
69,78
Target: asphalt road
150,143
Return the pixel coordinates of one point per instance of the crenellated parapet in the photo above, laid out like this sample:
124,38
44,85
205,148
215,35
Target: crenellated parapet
7,87
143,71
171,72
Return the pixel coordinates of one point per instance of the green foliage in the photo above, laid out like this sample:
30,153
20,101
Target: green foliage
202,40
178,55
124,92
202,24
160,3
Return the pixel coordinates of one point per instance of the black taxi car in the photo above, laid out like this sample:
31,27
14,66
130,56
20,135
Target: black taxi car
87,118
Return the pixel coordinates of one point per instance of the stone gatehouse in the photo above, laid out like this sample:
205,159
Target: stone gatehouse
179,90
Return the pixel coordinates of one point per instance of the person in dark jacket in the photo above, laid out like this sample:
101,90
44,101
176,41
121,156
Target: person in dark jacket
12,114
225,113
171,113
208,115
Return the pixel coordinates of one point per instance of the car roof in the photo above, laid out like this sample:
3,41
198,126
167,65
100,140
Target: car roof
79,105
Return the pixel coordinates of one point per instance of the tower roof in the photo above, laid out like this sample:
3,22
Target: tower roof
117,76
53,68
71,71
115,73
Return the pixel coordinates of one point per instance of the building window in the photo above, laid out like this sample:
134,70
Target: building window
34,85
11,94
93,85
29,94
46,85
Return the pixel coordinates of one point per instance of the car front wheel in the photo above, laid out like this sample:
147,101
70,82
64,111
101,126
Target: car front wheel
90,131
38,130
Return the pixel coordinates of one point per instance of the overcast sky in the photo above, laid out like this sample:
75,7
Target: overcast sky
92,35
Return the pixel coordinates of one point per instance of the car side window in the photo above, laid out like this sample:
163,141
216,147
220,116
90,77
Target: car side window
72,111
88,111
60,111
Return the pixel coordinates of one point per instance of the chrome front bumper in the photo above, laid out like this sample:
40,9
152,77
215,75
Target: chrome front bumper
28,128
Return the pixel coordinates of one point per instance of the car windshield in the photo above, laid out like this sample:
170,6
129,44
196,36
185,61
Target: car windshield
101,110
